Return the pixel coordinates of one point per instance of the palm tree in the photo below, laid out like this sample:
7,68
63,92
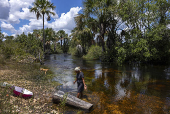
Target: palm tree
42,7
61,34
100,14
83,32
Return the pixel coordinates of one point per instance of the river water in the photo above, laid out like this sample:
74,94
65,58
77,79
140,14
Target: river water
113,89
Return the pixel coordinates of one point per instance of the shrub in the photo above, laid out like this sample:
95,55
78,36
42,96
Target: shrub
2,59
8,51
58,49
94,52
72,51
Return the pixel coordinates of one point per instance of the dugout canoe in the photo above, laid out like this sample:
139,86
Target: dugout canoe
71,100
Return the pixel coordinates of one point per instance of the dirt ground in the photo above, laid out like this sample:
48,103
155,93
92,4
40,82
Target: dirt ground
31,78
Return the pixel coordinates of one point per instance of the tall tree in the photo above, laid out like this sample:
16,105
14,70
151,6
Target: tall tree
99,10
61,34
42,7
146,38
84,33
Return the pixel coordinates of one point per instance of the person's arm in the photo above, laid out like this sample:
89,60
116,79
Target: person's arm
75,81
84,83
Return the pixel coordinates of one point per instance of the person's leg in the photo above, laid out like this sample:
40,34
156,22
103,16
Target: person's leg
80,90
78,94
82,94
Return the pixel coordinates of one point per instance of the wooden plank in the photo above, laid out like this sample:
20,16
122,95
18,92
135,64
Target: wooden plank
71,100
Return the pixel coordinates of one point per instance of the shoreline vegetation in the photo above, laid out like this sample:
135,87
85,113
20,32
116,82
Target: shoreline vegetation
122,32
29,77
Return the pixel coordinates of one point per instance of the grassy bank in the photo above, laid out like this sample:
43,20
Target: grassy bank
31,78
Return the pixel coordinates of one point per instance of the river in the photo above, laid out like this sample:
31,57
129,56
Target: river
126,89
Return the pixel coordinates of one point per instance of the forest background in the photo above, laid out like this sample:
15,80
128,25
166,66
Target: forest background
109,30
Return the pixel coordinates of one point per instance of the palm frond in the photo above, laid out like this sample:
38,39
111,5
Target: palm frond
38,15
33,9
48,18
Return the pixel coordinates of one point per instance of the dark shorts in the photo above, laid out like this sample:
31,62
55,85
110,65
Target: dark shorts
80,87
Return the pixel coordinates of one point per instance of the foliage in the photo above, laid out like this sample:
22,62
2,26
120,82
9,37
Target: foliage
2,59
24,45
28,44
146,40
94,52
1,36
64,40
134,31
40,8
72,45
63,103
72,51
57,50
9,48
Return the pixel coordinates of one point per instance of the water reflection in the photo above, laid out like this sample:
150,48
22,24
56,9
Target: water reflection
116,89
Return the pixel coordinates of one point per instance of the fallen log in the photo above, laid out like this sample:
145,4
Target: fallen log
71,100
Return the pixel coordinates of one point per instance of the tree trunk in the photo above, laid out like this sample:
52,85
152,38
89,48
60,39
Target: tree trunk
54,46
102,31
64,46
43,36
60,96
61,41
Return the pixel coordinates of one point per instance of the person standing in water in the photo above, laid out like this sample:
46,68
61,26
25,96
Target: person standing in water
80,82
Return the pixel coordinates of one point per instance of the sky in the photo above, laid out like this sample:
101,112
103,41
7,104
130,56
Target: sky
15,17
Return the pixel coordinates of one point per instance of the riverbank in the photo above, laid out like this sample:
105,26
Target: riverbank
31,78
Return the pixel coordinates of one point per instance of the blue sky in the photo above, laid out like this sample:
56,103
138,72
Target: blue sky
15,17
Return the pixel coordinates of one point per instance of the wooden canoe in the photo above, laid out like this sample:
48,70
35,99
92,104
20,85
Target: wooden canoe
71,100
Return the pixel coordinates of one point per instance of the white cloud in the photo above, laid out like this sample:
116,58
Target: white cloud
66,21
5,34
13,19
4,6
14,35
26,14
19,9
8,27
34,24
16,5
16,11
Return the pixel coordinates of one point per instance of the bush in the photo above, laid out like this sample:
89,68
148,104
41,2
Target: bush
58,49
2,59
121,55
8,51
94,52
72,51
